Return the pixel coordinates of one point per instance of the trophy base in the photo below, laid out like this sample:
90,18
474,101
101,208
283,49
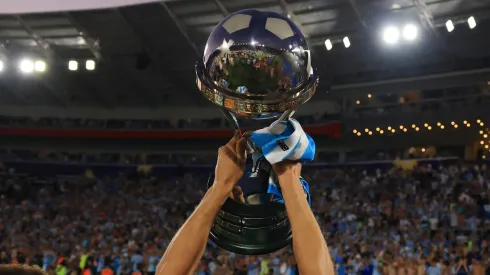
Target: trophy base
257,227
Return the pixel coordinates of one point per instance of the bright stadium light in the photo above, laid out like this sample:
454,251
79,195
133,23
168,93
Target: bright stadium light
449,26
410,32
90,65
1,65
328,44
72,65
391,35
346,42
471,22
39,66
26,66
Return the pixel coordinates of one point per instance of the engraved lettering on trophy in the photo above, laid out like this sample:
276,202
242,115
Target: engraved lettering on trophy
282,106
259,108
208,93
240,107
218,99
230,104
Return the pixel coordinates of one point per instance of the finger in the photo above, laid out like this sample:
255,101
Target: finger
247,134
241,148
237,190
221,150
237,198
240,198
238,194
232,142
227,152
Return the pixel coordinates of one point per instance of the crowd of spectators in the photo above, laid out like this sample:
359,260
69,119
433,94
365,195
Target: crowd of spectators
430,220
206,157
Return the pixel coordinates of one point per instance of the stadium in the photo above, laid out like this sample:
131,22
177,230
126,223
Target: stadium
107,143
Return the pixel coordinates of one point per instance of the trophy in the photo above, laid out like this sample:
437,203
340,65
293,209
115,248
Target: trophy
256,65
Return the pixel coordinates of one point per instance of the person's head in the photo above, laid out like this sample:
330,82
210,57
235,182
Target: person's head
20,270
365,260
475,262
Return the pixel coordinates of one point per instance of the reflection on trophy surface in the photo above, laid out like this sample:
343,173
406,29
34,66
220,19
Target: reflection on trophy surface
263,73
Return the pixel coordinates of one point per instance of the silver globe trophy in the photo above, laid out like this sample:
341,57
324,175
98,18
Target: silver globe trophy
256,65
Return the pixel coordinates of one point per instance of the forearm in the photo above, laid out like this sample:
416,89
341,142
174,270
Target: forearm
186,248
309,245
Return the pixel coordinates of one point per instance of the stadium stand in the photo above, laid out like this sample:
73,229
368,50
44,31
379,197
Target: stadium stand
120,219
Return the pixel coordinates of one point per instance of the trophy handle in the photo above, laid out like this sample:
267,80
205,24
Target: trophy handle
231,118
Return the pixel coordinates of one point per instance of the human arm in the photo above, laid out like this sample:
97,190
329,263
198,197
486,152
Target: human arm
187,246
465,266
309,245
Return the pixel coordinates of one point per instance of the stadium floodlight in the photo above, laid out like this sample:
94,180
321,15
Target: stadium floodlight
410,32
26,66
471,22
391,35
1,65
328,44
449,25
72,65
39,66
346,42
90,65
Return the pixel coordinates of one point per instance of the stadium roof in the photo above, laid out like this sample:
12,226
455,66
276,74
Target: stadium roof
145,54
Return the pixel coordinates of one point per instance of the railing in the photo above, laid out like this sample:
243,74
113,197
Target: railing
331,129
42,168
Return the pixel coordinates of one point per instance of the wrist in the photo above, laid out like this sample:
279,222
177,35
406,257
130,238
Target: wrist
287,178
220,191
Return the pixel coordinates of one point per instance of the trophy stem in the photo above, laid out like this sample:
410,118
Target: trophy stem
231,119
234,122
285,116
